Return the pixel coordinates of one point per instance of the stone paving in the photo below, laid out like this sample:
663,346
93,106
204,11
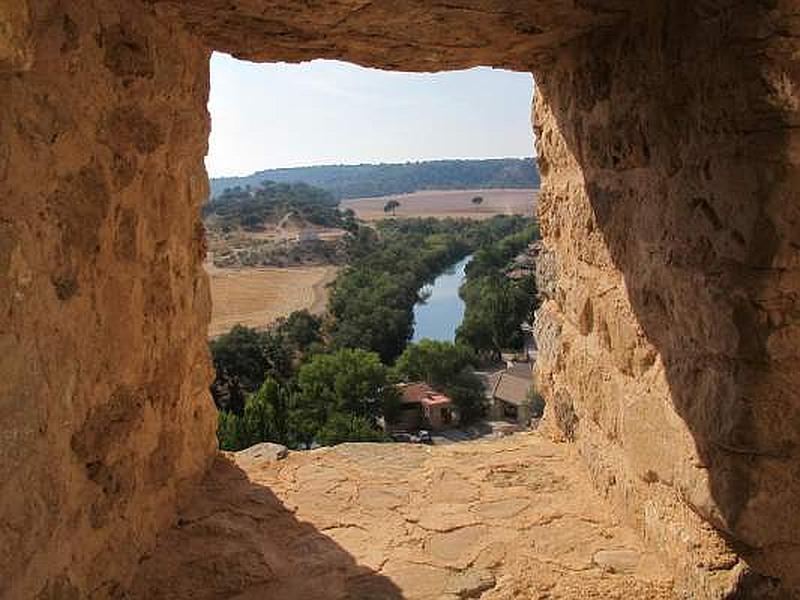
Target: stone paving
496,519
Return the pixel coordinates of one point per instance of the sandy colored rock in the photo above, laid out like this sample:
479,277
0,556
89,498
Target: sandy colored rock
409,35
664,349
669,336
423,549
259,454
471,584
105,417
622,560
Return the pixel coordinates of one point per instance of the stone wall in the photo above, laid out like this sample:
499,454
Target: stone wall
670,339
104,412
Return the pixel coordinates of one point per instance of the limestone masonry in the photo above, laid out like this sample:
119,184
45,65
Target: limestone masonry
668,141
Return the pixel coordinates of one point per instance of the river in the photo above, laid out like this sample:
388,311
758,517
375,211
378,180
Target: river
438,317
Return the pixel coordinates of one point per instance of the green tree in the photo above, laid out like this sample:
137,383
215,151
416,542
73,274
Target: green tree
265,414
265,419
342,427
433,361
300,330
349,221
348,383
239,353
371,310
240,363
391,206
306,417
495,308
230,431
467,391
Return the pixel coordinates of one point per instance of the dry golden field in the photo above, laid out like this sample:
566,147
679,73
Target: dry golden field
448,203
257,297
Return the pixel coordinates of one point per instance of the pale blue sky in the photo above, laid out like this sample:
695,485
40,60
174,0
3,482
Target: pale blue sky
328,112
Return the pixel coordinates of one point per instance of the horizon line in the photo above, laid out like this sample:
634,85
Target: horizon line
361,164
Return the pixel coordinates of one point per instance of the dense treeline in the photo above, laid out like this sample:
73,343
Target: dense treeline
311,380
332,397
361,181
371,302
496,305
250,207
338,396
243,357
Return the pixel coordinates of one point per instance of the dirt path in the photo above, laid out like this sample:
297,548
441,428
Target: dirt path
321,291
501,519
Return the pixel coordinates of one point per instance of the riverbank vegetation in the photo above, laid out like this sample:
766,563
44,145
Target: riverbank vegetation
495,304
372,301
326,380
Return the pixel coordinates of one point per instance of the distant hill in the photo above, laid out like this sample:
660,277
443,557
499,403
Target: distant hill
365,181
268,203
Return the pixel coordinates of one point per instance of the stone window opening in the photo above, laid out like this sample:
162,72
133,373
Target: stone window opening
666,135
242,269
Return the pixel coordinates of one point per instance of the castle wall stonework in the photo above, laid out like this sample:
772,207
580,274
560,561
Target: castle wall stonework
670,337
670,329
105,417
670,203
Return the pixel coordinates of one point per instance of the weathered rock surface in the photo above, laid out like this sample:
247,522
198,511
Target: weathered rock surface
105,417
670,336
511,518
411,35
668,144
261,453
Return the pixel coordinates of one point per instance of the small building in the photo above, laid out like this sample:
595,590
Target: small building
307,235
510,395
422,407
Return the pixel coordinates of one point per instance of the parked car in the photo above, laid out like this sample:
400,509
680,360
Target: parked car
404,437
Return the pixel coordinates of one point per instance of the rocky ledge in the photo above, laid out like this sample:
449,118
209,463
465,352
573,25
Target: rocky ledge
508,518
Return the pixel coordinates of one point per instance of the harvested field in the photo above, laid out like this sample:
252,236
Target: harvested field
448,203
257,297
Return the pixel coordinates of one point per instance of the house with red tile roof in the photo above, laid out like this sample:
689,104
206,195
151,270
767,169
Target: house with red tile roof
422,407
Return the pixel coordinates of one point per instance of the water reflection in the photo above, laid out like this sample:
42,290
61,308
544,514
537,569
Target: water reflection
441,313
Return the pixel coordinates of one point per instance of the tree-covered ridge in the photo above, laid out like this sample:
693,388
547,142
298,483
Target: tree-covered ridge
269,202
366,181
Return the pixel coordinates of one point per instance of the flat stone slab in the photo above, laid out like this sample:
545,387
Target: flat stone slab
617,561
514,517
265,451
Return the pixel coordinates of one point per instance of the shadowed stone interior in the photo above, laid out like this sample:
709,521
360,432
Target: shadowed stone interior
667,140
